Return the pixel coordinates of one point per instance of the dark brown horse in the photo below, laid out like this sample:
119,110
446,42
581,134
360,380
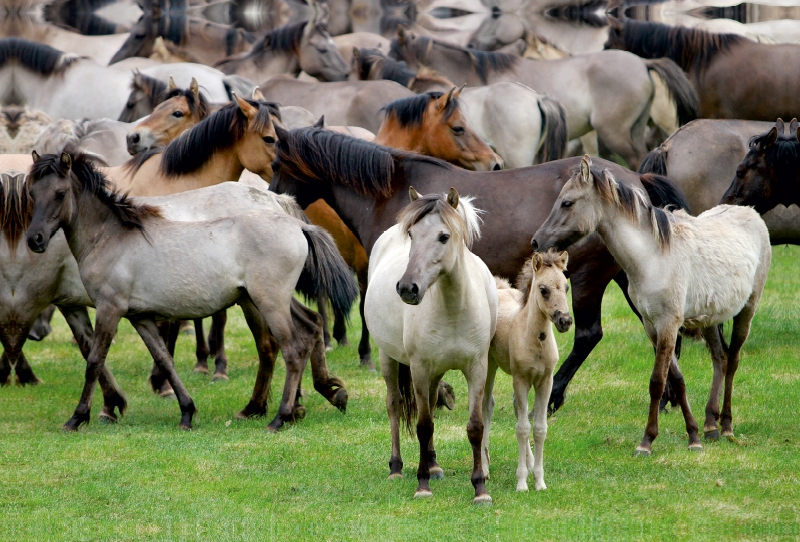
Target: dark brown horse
736,78
367,185
770,173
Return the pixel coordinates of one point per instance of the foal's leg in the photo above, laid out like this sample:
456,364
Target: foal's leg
543,386
169,331
741,329
113,397
216,344
322,308
476,383
267,348
525,462
680,389
720,361
13,340
390,369
106,321
488,412
436,472
201,350
148,331
421,379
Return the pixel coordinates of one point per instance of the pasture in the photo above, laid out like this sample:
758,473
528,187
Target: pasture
325,478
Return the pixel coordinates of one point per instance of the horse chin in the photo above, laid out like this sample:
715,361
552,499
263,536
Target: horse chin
334,76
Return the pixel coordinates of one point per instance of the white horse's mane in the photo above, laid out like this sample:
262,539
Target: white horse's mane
471,217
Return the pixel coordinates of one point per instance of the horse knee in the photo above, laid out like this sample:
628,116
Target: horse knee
475,431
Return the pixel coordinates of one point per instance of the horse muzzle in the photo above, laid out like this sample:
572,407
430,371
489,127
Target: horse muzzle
409,292
562,320
138,142
37,242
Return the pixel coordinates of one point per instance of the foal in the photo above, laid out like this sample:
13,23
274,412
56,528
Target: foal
524,347
683,271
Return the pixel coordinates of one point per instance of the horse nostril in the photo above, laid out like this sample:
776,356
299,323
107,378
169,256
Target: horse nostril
534,245
397,287
414,290
133,138
39,238
497,167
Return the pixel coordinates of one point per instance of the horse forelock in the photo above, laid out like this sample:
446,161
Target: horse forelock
410,112
85,177
463,222
690,48
38,57
16,206
376,66
284,39
221,130
783,156
198,104
526,277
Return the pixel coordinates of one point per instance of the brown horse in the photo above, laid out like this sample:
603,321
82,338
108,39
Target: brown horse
770,173
366,184
715,64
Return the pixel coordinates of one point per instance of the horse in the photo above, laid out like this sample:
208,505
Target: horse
364,183
610,93
305,46
64,85
272,251
714,64
345,103
680,273
525,348
702,158
426,292
104,138
346,43
769,173
434,124
518,122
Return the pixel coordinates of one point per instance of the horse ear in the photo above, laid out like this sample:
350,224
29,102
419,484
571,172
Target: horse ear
413,194
249,111
171,85
452,198
280,131
563,258
586,164
793,126
258,95
357,54
320,123
457,93
195,88
442,102
401,34
769,140
536,262
35,156
780,126
66,160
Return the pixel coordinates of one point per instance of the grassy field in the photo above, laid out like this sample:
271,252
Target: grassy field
326,477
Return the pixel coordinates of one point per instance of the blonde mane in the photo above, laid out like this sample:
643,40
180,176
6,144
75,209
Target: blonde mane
463,222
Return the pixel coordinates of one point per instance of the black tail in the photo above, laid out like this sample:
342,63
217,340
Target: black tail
554,146
408,400
664,192
655,161
680,88
326,273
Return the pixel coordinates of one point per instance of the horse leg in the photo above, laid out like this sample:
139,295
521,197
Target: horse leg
664,339
216,344
621,133
41,326
720,361
106,321
476,383
436,472
741,329
330,387
24,371
322,308
487,412
113,397
525,463
267,348
542,388
390,370
148,331
364,348
201,351
680,389
421,380
5,369
158,379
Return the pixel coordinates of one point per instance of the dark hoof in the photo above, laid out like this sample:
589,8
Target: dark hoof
74,423
368,364
39,331
712,435
28,381
446,397
251,411
275,425
342,342
185,426
219,377
339,400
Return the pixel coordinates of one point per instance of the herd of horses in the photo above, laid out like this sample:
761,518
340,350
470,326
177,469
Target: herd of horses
427,171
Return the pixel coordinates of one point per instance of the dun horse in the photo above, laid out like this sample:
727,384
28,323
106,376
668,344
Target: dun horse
680,273
427,292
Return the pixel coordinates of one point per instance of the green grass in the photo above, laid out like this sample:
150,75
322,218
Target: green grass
326,477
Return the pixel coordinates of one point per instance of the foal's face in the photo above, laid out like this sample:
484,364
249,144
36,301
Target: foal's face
550,287
53,202
574,213
319,56
433,253
169,120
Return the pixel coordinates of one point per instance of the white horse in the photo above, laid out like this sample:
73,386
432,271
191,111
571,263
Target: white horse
443,318
695,272
524,347
65,85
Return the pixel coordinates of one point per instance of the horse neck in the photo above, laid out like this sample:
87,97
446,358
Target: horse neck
536,321
391,134
453,287
455,65
92,221
279,62
631,242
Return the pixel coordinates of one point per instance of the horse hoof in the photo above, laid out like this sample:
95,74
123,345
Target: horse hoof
644,452
185,426
522,487
340,400
200,369
696,447
484,499
540,487
247,414
187,329
167,394
368,364
728,435
711,434
219,377
299,413
423,494
105,417
436,473
329,348
395,476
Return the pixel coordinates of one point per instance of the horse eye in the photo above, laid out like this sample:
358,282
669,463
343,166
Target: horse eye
458,130
566,203
545,292
444,238
740,173
177,114
60,196
269,140
409,235
129,105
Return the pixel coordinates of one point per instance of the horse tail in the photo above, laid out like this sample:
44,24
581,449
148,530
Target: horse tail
655,161
680,88
663,192
290,207
554,130
408,400
327,273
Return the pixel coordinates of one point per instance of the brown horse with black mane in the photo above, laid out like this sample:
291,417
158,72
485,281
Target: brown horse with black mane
366,184
715,64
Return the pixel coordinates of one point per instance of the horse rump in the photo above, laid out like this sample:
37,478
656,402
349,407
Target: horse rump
555,140
680,88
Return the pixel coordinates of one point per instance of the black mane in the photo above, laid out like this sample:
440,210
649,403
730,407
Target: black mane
376,66
783,156
284,39
409,112
322,155
38,57
690,48
16,206
88,179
